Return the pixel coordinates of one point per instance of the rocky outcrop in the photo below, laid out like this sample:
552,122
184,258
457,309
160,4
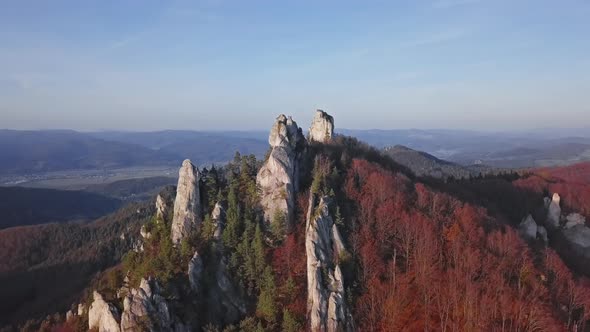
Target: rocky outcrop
102,315
187,205
326,303
195,272
145,309
322,127
574,219
218,218
542,234
528,228
278,179
553,212
578,238
161,208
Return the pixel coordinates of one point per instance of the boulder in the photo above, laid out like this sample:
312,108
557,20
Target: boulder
81,309
528,228
69,315
102,315
554,212
278,179
325,287
187,205
322,127
574,219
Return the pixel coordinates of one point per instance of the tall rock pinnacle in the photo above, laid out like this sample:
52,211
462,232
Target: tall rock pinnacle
326,303
322,127
187,206
278,178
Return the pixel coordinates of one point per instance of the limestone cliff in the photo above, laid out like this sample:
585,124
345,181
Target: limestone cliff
278,179
322,127
326,303
102,315
145,309
187,205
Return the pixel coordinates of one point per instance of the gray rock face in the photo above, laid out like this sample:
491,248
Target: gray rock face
102,315
528,228
574,219
278,179
542,234
322,127
325,289
195,271
554,212
578,237
187,205
145,309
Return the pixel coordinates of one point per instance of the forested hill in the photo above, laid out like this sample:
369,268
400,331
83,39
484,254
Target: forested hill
327,233
30,206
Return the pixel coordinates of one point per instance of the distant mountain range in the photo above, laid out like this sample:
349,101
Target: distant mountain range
31,152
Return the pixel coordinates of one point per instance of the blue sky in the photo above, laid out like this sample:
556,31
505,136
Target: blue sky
220,64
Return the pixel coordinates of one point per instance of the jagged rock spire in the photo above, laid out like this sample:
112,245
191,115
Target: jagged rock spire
278,178
322,127
187,206
326,303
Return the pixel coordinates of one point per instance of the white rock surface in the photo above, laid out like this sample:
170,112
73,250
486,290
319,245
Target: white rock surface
325,304
187,205
81,309
322,127
145,309
528,228
278,179
102,315
554,212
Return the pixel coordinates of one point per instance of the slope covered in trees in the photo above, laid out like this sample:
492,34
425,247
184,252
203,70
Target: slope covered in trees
44,268
30,206
419,256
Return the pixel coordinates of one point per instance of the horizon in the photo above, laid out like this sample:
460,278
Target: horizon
452,64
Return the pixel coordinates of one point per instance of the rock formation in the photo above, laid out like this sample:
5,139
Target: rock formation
278,178
195,271
322,127
326,303
528,228
554,212
542,234
218,218
574,219
187,205
145,309
102,315
161,207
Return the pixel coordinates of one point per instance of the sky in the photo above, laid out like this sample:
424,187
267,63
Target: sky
221,64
